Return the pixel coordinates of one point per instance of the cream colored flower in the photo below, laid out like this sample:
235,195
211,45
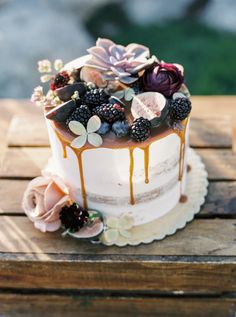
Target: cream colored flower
44,66
38,96
58,64
116,227
88,134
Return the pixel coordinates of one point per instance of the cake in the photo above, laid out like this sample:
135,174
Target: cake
118,125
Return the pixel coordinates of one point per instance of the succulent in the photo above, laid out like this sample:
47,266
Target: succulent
118,62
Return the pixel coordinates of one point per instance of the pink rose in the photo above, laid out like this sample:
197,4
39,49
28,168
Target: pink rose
43,200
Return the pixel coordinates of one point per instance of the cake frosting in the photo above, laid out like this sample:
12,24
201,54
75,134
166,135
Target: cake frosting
118,124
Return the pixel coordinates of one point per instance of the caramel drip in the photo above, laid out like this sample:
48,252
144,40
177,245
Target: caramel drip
146,163
78,154
63,144
131,171
181,135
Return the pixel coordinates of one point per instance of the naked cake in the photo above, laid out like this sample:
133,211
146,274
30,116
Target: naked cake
118,124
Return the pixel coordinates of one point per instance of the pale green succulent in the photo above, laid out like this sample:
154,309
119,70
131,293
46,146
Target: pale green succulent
118,62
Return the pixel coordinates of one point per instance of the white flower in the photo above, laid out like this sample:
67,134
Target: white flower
58,64
84,135
38,96
116,227
44,66
46,78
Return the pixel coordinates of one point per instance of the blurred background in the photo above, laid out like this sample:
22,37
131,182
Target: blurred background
200,34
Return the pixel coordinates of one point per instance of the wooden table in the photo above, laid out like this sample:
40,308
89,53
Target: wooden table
192,273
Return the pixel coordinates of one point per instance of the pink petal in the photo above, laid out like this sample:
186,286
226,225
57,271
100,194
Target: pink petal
52,195
99,53
50,227
104,43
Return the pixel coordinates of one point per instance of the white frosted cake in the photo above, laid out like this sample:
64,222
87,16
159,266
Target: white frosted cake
118,123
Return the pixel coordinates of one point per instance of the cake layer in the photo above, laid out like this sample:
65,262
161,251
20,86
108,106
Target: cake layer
145,180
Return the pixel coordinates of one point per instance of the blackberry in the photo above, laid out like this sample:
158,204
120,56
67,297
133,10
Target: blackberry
95,97
110,112
180,109
61,79
81,114
120,128
73,217
140,129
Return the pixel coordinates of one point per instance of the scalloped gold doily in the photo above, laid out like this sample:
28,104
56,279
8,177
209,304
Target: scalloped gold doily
178,217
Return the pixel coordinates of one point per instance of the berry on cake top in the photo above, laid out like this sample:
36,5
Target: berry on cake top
116,89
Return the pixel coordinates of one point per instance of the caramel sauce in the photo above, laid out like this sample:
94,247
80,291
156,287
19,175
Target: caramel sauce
131,171
183,199
65,137
146,162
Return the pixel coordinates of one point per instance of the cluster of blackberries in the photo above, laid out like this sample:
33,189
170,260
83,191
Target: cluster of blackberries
95,101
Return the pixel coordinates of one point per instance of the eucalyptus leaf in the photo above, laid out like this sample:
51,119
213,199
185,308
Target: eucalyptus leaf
129,94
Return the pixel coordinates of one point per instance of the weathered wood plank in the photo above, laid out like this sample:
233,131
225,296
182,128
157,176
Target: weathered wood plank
211,132
27,162
214,131
24,162
28,131
220,164
120,275
13,305
220,201
201,237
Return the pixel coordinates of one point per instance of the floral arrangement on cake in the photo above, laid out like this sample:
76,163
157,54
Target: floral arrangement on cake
115,89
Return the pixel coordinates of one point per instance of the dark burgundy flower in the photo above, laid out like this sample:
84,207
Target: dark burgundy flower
164,78
61,79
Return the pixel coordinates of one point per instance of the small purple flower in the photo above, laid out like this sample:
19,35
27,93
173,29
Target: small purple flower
164,78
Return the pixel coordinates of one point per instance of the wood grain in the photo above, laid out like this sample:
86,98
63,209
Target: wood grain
120,274
24,162
215,131
27,162
13,305
220,201
208,237
211,132
28,131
